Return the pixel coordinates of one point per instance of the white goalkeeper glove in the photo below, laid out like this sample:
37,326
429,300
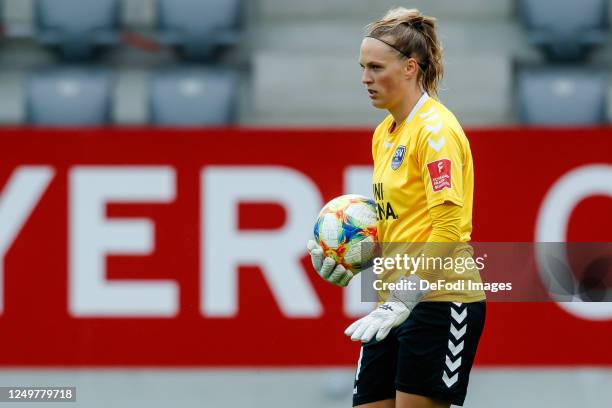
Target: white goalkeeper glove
379,322
390,314
327,267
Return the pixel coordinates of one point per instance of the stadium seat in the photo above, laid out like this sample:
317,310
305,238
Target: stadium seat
193,97
77,27
562,96
199,28
3,29
566,29
69,97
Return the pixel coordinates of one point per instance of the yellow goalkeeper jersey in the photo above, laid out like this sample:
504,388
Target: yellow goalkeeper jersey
419,164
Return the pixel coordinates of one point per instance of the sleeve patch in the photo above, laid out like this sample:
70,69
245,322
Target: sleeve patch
440,174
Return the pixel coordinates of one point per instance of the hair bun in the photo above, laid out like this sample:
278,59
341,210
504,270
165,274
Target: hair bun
416,22
402,14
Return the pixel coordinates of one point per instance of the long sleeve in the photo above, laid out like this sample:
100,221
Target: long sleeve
446,229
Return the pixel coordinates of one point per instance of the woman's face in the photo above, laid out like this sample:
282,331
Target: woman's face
384,73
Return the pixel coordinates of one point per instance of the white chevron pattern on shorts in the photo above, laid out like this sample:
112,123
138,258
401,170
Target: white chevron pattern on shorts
458,317
458,328
458,333
450,381
453,366
455,349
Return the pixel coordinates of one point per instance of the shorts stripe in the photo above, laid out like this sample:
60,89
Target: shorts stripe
458,328
358,369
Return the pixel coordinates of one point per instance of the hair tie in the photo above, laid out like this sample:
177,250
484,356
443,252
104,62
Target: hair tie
423,66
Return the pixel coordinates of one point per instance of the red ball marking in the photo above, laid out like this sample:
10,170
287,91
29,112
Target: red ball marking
341,250
371,232
324,246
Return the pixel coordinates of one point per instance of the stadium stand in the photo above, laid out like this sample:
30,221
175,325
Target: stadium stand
320,53
69,96
365,10
199,28
192,96
568,30
334,95
77,27
561,96
300,53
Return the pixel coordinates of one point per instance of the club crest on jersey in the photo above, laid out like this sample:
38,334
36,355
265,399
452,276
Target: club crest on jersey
398,157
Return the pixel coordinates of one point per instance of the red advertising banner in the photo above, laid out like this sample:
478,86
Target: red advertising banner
187,247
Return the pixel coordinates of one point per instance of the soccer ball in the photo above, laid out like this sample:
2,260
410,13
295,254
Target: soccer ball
343,225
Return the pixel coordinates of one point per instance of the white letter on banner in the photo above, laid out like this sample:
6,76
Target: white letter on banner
277,252
552,222
21,194
357,180
92,237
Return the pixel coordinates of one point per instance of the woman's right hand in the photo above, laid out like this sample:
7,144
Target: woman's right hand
327,268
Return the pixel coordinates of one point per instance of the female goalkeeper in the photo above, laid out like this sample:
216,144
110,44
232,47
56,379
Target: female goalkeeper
419,344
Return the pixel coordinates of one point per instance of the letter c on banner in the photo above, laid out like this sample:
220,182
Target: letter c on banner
553,219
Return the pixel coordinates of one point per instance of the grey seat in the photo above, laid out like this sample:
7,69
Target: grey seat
562,96
566,29
193,97
3,24
199,28
77,27
69,97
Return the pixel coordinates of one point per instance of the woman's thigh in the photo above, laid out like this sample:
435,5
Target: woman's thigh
405,400
388,403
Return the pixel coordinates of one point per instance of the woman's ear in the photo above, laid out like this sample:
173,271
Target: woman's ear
411,68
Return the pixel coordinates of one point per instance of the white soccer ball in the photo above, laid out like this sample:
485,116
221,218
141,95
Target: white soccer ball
346,230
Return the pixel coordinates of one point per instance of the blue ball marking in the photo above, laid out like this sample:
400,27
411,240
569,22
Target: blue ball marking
350,230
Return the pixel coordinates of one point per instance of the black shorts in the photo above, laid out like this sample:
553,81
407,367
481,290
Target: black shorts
430,354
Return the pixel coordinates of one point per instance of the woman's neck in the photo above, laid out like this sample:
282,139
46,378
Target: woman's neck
401,112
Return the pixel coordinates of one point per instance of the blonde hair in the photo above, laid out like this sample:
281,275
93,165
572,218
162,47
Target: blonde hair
414,36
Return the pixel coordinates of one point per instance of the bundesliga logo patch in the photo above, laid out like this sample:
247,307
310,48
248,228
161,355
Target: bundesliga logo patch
440,174
398,157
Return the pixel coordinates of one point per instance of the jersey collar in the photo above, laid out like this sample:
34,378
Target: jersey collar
418,105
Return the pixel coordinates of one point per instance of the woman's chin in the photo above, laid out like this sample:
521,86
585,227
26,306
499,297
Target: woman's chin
378,104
